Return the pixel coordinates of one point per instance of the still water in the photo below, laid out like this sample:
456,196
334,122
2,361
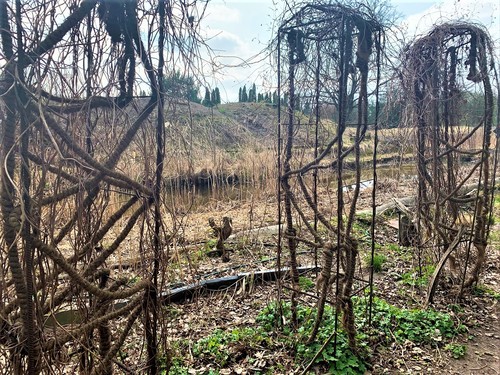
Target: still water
238,190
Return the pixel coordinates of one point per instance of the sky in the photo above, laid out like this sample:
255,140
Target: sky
239,30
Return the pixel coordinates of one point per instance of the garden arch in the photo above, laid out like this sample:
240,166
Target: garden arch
328,57
456,156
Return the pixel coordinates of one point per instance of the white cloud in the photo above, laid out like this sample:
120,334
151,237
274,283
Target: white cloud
220,13
233,30
226,43
239,29
483,12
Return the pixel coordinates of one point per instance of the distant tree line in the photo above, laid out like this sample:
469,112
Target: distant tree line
212,98
391,107
252,96
177,85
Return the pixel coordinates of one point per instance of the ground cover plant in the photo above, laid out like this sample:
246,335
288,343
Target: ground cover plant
224,349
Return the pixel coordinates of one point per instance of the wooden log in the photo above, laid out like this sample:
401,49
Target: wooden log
407,201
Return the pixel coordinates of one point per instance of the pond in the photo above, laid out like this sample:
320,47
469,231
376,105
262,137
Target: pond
236,189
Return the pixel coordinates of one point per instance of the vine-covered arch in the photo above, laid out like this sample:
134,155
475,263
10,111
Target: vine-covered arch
70,122
328,56
456,161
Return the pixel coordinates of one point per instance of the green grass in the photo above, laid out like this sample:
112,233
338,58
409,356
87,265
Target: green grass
378,261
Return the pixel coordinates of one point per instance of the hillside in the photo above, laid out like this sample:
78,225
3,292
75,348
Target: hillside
241,139
260,119
227,125
233,124
226,139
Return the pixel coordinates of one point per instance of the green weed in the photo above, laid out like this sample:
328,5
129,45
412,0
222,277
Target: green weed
365,218
173,359
216,348
495,236
177,367
416,325
342,361
496,201
457,350
306,283
134,280
413,278
210,244
456,308
361,227
483,290
393,248
378,261
390,322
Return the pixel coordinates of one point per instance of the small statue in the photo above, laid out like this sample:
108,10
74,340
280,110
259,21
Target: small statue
222,233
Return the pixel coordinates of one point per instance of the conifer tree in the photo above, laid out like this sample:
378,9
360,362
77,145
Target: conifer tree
212,97
298,103
307,107
207,102
179,85
275,97
217,96
252,95
244,95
